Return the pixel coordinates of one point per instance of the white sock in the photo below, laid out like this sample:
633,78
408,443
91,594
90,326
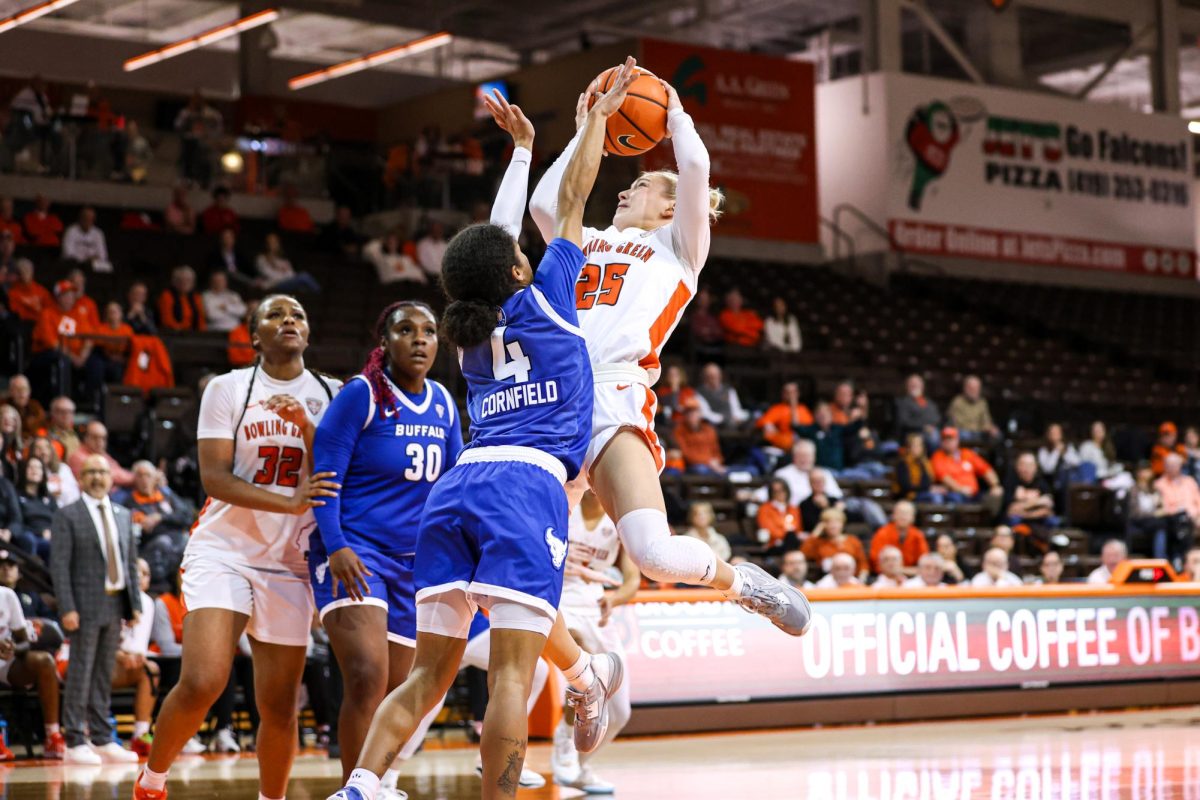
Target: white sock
390,778
735,589
52,729
580,674
365,781
154,781
262,796
140,728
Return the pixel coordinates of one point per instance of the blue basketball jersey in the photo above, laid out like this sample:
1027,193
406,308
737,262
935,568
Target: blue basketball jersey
386,460
530,385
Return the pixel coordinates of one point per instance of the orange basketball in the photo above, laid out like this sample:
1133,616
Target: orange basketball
641,122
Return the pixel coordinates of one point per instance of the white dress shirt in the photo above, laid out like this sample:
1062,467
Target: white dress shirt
81,245
96,508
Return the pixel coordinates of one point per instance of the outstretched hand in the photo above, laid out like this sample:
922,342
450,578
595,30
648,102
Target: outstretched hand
510,118
608,102
672,100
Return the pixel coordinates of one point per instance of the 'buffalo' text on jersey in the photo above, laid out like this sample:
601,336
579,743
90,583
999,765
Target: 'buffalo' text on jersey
270,454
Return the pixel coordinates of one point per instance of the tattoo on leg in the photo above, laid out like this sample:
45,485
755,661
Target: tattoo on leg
510,778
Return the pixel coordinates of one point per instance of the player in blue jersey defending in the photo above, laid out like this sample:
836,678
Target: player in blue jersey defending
388,436
494,532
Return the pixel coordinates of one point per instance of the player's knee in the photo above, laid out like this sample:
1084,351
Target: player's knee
196,688
365,683
277,715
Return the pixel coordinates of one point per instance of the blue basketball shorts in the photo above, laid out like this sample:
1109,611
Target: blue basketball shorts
391,587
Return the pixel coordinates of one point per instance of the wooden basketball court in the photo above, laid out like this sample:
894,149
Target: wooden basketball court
1103,756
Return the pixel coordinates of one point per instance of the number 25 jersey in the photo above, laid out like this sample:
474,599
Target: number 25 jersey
268,453
530,385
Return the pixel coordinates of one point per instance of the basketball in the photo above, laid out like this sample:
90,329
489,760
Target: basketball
641,122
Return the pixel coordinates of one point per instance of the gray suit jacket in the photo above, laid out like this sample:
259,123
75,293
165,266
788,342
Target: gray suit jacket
78,568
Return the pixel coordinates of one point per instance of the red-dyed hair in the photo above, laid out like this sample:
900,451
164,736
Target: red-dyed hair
376,364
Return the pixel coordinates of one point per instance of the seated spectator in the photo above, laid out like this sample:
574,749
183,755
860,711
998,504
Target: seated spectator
33,601
970,414
673,391
179,217
37,509
778,423
1057,459
1191,445
843,406
11,446
890,569
132,153
829,438
139,315
341,235
60,335
394,259
8,221
740,326
42,226
795,570
8,256
85,306
720,403
95,443
164,518
698,442
20,397
134,670
60,481
431,248
1050,570
1168,442
995,570
931,573
180,307
700,521
903,535
113,350
276,273
12,524
947,548
62,426
26,297
781,331
228,258
1180,507
223,307
797,474
1112,553
841,573
914,479
1099,452
28,668
239,349
707,335
819,499
916,412
959,469
1191,566
1028,498
830,538
293,217
84,242
219,216
1003,538
778,519
1145,515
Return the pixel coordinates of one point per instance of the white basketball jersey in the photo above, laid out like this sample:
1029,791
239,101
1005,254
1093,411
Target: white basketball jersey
268,453
598,549
631,294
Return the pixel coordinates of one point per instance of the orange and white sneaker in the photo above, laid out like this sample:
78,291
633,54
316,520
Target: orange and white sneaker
142,793
55,747
141,745
5,753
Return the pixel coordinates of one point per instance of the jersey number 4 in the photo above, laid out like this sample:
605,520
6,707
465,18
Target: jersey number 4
598,285
281,466
502,368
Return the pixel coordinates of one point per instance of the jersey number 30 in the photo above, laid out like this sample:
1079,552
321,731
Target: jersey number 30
426,462
281,466
502,368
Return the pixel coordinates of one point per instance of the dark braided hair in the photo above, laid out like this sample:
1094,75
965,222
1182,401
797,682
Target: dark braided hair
373,370
477,278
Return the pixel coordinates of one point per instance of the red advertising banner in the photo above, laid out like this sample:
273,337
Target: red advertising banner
712,651
756,116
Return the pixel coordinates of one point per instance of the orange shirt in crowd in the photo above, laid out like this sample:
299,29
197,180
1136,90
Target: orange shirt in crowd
1179,495
28,300
85,308
913,548
239,350
13,227
44,230
149,365
965,470
54,323
839,415
784,417
818,548
778,522
699,446
295,219
188,317
111,347
1160,453
743,328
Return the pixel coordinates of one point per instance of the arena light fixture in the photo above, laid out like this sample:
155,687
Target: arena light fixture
371,60
1194,126
202,39
32,13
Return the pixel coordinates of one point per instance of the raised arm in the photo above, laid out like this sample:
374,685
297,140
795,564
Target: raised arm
691,228
543,205
508,210
580,174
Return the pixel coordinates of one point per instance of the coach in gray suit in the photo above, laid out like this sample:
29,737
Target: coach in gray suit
92,561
